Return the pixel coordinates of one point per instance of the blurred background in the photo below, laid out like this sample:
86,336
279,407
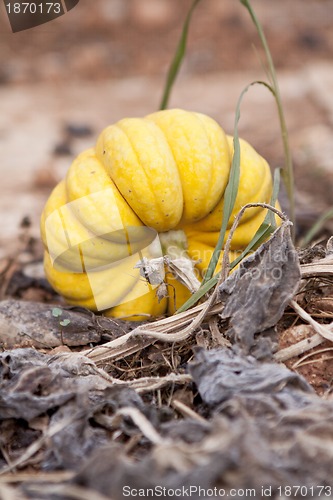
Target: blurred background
62,82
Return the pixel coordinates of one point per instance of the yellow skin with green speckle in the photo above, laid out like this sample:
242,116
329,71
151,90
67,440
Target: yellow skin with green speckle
165,172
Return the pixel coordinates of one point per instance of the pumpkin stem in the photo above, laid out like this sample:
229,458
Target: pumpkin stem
174,244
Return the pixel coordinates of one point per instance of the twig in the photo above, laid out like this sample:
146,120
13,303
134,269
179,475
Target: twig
302,361
69,491
142,423
28,477
322,330
186,411
148,384
299,348
225,260
217,335
128,344
322,268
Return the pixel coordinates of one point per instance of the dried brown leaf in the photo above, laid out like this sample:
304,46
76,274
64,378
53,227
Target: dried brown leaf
256,294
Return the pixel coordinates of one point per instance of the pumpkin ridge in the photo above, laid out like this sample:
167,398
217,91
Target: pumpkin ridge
198,117
169,142
171,151
225,159
145,172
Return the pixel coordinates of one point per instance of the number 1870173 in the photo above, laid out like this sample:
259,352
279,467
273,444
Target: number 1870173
34,8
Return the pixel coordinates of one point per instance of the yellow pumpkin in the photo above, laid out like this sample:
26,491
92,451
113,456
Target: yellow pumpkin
147,179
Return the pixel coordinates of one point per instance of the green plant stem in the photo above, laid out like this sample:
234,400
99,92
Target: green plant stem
178,58
231,190
288,172
316,227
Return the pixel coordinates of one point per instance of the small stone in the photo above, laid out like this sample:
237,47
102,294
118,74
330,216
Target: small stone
78,130
62,149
